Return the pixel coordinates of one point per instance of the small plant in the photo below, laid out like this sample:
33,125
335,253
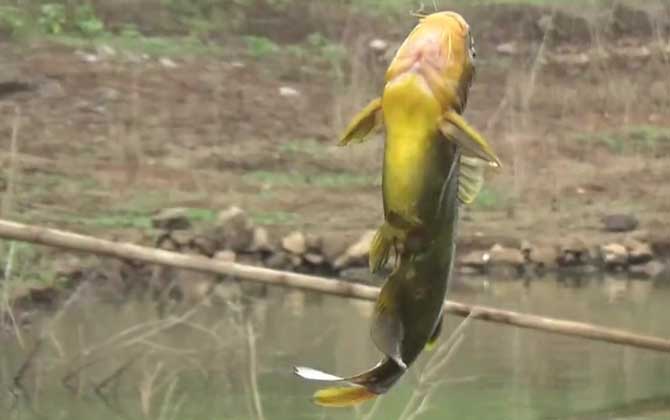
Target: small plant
640,139
87,22
130,30
52,18
12,20
260,46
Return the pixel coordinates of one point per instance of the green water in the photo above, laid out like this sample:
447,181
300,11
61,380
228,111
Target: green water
135,359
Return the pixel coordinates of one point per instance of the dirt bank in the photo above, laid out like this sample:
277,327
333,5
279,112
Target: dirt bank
108,135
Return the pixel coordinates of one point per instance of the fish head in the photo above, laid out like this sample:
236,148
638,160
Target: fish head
441,50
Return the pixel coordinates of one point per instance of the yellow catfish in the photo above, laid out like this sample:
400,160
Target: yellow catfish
426,90
408,312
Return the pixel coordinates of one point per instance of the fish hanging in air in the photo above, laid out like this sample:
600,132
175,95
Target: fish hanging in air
433,160
426,92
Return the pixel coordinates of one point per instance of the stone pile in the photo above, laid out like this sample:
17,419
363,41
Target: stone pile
234,237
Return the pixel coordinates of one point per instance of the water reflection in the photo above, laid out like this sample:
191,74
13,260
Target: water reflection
231,358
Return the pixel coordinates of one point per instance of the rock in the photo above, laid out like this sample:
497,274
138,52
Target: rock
333,245
261,241
313,243
614,255
225,255
182,238
569,28
526,248
295,243
167,63
508,48
234,230
288,92
90,58
572,252
620,223
378,45
204,245
167,242
171,219
638,252
314,259
544,258
501,255
627,21
296,260
651,269
105,51
278,260
232,214
477,260
357,253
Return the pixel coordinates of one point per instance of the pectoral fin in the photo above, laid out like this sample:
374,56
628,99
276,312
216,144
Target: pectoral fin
455,128
363,123
470,179
387,330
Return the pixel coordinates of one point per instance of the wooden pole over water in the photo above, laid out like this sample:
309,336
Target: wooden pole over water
82,243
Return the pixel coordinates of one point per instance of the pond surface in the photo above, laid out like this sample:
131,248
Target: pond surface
232,359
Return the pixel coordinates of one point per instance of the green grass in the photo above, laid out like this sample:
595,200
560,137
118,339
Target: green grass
156,46
321,180
274,218
643,139
302,146
136,219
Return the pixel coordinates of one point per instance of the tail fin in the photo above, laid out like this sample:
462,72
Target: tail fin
342,396
356,389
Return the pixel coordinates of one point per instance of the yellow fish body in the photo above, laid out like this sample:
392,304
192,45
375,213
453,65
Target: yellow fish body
426,90
408,312
433,161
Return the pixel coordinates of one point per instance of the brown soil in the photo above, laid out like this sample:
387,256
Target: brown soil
124,136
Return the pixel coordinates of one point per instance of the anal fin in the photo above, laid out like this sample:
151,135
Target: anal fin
470,178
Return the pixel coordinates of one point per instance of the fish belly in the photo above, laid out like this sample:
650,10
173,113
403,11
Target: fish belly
413,153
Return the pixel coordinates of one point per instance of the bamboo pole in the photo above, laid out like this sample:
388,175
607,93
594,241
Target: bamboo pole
82,243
